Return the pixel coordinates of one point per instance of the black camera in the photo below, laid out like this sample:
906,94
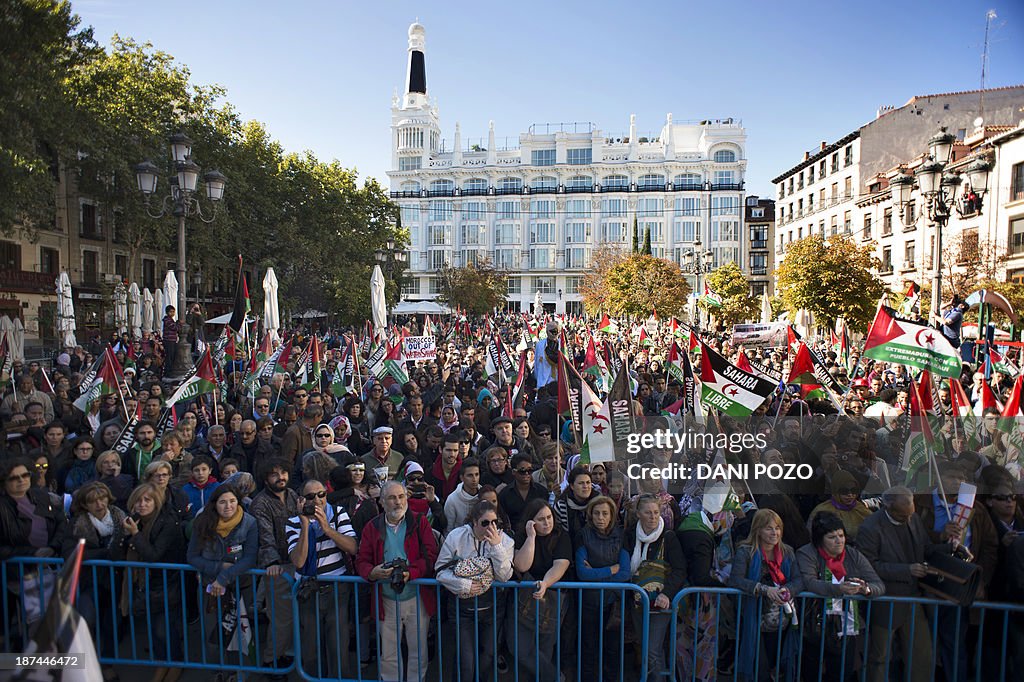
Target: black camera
417,489
399,567
308,509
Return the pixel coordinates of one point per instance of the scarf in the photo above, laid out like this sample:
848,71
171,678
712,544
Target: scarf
843,507
320,448
643,543
225,526
104,526
834,564
335,423
773,564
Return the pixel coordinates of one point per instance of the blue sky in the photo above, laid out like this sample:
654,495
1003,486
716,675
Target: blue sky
320,73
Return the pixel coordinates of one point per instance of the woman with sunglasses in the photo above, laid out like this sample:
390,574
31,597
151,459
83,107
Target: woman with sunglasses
32,521
473,611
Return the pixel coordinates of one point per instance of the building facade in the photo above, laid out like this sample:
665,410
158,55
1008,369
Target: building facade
759,218
540,205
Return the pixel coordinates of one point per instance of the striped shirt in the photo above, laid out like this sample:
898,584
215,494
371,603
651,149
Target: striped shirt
330,559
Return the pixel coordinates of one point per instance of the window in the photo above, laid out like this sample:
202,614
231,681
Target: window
121,266
508,210
149,273
577,233
545,285
411,286
686,231
49,261
541,258
835,191
474,210
725,177
505,258
759,264
847,222
810,174
542,233
506,234
542,208
411,186
835,162
821,228
688,206
578,157
799,207
580,182
613,232
848,187
440,210
615,181
727,205
758,289
474,185
577,208
821,169
1017,182
725,156
542,157
470,257
438,259
434,285
650,207
821,196
759,236
782,190
887,259
725,254
834,225
577,257
10,256
510,186
800,181
848,155
613,208
688,181
410,215
800,232
1017,236
725,230
90,222
471,235
572,284
757,213
90,267
908,255
440,188
440,235
867,226
515,285
791,186
410,163
544,182
810,202
651,181
657,230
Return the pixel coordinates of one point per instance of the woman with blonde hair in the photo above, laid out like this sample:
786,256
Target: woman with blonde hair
766,571
160,473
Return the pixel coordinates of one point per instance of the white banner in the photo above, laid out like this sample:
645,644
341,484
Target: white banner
772,335
420,348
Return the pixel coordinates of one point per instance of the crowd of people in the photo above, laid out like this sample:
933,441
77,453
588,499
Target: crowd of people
439,478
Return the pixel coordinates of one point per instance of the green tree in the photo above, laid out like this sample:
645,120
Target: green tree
39,123
594,286
738,305
640,283
830,278
646,249
477,288
636,237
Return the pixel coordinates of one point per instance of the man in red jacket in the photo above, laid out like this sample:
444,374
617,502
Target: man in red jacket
394,537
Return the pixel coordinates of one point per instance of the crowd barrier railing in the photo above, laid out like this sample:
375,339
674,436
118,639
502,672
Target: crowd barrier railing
718,631
147,615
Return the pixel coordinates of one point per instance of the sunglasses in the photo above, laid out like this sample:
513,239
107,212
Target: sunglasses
301,395
1002,498
489,522
309,497
414,479
357,467
43,466
248,433
323,435
266,428
524,471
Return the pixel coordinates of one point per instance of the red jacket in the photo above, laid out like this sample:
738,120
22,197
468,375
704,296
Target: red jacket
420,550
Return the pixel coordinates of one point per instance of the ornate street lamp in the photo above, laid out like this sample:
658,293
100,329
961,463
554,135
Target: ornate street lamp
697,263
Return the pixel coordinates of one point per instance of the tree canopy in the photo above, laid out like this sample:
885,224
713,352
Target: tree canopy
477,288
831,278
738,305
639,284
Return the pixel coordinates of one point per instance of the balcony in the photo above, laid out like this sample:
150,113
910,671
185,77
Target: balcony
652,188
687,187
545,189
508,190
759,271
612,188
405,195
727,186
759,244
440,192
579,189
475,192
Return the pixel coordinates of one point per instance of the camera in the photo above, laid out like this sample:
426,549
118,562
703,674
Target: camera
399,566
417,489
308,509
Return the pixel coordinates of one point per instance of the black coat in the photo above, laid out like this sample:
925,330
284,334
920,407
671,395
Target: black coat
14,529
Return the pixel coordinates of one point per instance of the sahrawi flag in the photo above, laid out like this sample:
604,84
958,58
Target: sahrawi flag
965,424
912,298
1000,363
106,381
201,382
729,389
920,445
709,297
607,425
894,339
1011,419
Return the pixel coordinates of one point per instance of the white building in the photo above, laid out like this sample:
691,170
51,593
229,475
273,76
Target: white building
540,205
838,188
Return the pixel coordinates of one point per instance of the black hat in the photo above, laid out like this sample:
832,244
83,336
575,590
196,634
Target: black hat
501,419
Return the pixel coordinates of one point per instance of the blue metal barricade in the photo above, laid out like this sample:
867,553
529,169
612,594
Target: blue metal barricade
724,632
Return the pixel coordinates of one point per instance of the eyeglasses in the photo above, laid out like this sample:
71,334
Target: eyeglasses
301,395
1002,498
414,479
248,433
312,496
14,478
544,434
487,522
266,428
525,471
162,474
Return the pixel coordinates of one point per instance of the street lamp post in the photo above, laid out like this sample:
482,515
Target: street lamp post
938,187
182,201
697,263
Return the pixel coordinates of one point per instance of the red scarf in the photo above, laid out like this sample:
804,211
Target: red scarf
834,564
774,565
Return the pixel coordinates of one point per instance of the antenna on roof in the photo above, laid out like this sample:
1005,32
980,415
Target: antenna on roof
989,16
